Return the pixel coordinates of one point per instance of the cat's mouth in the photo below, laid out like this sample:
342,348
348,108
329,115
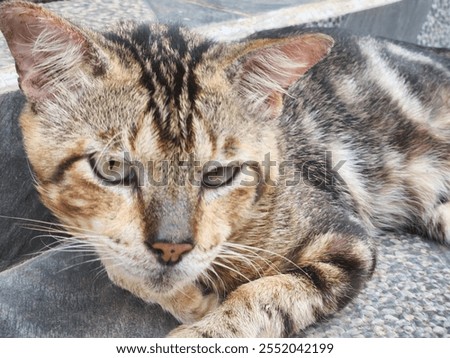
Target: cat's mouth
147,270
135,277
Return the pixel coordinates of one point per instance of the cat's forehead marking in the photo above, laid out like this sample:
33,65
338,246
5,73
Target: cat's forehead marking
167,57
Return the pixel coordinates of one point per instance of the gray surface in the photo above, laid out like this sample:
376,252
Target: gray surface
194,13
17,195
401,21
62,294
436,29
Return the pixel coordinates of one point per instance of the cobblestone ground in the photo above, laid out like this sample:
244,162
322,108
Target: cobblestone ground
436,29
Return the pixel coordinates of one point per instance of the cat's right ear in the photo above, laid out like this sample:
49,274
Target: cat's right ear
51,54
264,69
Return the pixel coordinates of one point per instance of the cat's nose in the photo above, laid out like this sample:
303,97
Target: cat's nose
170,253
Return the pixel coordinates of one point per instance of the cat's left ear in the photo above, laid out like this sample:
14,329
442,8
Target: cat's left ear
52,56
266,68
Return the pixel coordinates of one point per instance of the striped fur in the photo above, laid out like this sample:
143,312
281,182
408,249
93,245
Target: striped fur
344,138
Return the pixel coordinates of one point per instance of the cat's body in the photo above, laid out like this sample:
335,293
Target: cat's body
347,137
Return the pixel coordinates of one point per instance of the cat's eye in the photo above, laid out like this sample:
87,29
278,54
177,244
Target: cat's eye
220,176
111,170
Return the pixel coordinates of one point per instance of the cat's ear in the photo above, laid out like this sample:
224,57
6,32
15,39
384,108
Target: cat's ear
268,67
50,53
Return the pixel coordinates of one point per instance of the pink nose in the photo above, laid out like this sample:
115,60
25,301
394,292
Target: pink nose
171,253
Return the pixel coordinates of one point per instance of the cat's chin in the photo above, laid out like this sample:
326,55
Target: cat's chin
150,281
143,275
149,286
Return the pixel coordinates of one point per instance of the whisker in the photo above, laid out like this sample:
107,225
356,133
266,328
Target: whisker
213,271
32,175
231,269
246,261
255,255
101,271
252,249
96,259
47,223
180,291
207,276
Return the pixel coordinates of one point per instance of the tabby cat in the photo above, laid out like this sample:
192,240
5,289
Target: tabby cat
238,185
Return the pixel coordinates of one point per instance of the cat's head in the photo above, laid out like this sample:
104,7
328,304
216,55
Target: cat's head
149,141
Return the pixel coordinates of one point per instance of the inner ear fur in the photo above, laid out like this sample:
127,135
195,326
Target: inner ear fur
50,53
268,67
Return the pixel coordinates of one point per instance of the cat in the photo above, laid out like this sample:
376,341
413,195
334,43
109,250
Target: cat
241,186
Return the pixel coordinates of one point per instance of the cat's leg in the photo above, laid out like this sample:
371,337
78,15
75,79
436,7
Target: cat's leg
431,212
426,203
189,304
438,223
328,273
444,216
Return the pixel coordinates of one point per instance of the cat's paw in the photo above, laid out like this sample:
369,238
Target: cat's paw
186,331
204,329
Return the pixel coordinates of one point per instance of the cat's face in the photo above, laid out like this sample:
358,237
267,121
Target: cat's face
112,171
153,155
